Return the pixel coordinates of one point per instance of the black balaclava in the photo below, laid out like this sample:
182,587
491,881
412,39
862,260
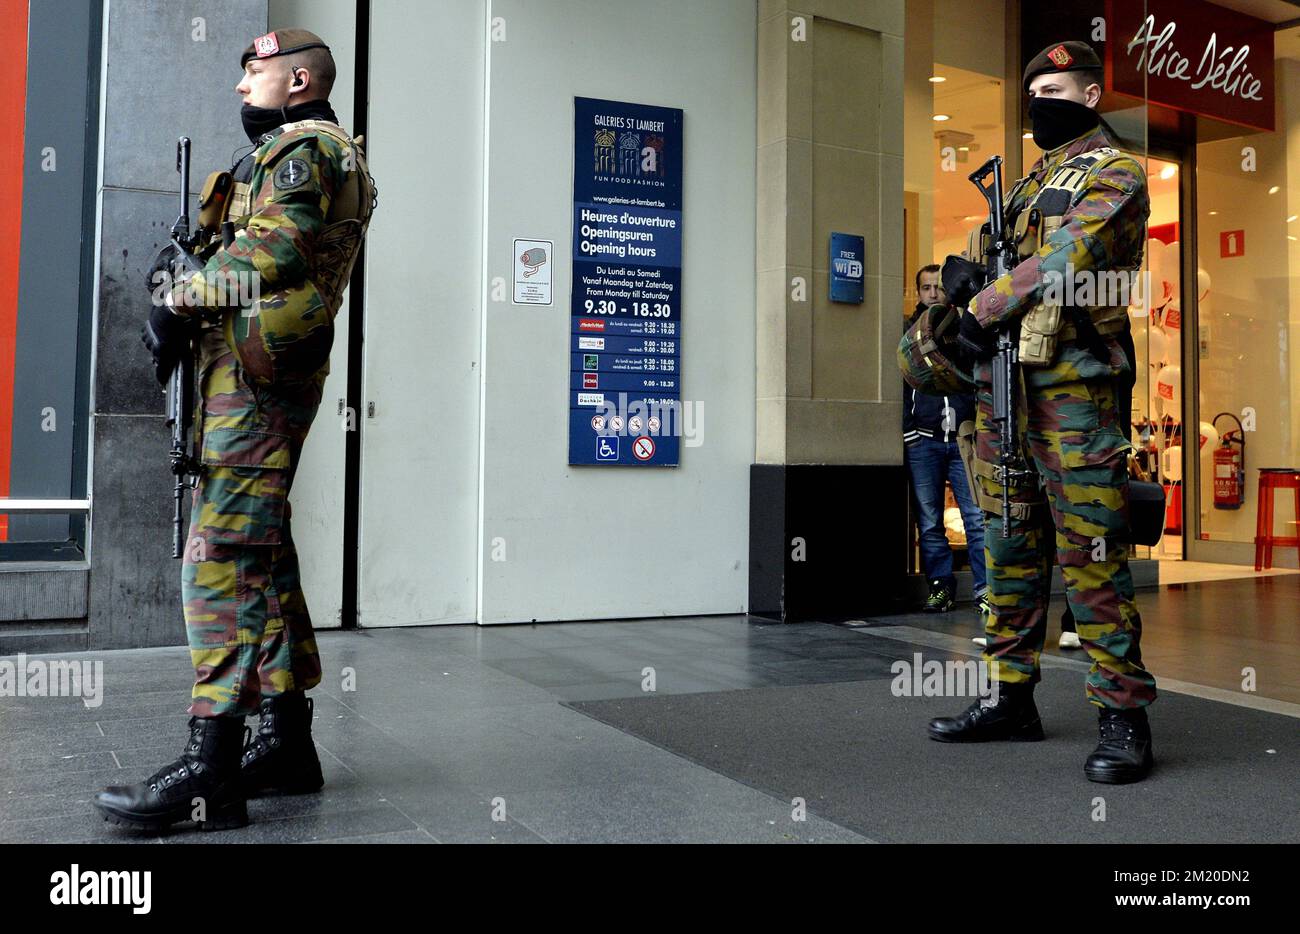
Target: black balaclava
1057,120
258,121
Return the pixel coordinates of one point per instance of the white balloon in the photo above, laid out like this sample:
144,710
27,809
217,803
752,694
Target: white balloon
1209,439
1156,263
1169,387
1157,346
1202,284
1173,268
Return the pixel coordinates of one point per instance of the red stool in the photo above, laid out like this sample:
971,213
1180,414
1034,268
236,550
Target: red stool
1270,479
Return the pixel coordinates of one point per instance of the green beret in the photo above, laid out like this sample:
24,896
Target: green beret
1061,56
282,42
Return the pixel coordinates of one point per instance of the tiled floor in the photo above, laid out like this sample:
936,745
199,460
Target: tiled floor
1193,572
449,727
1215,633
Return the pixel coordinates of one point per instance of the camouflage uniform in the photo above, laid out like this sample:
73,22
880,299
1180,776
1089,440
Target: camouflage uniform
261,375
1072,438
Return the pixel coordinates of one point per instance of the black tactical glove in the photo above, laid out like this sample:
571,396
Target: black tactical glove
167,336
170,265
975,340
962,280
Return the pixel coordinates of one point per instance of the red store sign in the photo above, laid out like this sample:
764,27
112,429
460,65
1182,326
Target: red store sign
1192,56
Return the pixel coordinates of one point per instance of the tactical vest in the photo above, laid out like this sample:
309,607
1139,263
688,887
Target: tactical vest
227,200
1047,324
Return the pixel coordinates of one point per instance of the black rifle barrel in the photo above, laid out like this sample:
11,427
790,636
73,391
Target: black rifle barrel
180,387
181,229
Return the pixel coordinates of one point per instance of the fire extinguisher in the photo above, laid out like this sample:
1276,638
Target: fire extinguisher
1230,466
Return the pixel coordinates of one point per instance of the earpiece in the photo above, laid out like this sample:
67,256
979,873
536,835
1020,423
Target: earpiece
297,82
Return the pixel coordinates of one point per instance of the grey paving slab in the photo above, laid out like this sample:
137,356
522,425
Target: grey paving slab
861,757
399,836
703,810
460,734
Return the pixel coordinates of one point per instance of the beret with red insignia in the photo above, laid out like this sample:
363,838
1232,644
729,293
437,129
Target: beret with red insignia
282,42
1061,56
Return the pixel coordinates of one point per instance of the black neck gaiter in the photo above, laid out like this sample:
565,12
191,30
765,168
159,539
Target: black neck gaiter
258,121
1057,121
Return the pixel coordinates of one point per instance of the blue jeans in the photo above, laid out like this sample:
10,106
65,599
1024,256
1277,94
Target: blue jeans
930,463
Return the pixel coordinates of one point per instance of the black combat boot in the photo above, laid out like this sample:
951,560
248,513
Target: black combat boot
1124,753
1014,716
208,769
281,759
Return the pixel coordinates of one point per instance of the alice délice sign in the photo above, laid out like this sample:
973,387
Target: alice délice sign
1192,56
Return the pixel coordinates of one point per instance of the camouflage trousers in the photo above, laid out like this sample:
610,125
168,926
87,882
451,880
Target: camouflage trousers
1074,443
249,631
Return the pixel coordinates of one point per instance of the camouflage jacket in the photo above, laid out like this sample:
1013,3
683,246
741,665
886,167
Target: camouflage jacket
1104,229
285,334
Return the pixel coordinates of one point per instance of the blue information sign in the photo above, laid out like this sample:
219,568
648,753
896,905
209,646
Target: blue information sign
625,309
847,267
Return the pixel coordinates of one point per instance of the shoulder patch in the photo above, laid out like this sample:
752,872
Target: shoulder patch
292,173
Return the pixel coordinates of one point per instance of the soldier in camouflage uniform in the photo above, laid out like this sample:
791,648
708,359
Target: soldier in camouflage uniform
294,212
1070,429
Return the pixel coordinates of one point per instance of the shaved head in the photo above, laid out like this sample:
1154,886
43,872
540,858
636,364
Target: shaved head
319,64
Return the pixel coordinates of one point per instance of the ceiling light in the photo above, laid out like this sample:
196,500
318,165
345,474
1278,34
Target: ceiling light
941,117
937,79
1168,172
1274,190
1027,136
1214,212
1291,219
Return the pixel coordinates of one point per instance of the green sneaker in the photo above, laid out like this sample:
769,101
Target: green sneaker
940,599
985,610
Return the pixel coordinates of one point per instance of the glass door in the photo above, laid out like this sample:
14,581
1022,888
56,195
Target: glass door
1156,315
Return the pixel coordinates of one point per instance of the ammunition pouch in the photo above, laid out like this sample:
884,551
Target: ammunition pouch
1040,329
978,242
241,201
1027,232
213,198
1045,327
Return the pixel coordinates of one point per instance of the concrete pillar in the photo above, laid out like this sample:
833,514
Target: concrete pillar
827,488
170,70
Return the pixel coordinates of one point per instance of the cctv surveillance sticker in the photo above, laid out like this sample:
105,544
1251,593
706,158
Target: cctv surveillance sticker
292,174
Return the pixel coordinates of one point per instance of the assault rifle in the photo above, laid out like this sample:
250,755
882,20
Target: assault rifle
999,259
180,387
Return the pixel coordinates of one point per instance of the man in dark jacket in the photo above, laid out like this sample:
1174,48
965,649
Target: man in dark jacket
930,448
